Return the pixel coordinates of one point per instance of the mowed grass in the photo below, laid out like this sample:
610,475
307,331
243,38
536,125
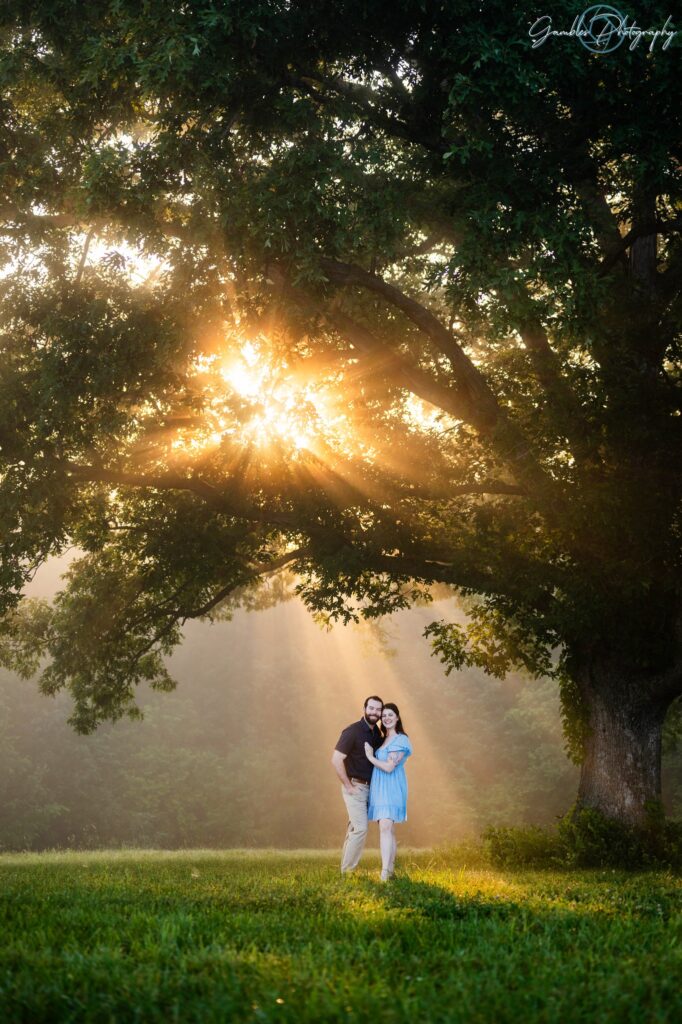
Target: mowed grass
219,937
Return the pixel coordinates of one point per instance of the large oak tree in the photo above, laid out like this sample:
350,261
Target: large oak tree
377,293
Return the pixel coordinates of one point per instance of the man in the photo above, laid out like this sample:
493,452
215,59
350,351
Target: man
355,771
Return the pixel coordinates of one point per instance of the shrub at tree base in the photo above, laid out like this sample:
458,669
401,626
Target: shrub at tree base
527,847
585,838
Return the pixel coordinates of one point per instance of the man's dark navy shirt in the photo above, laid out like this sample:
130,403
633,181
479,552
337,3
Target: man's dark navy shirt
352,743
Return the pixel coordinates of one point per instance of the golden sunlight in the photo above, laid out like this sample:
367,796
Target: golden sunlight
252,399
286,413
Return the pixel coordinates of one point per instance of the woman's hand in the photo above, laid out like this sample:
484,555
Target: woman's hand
369,751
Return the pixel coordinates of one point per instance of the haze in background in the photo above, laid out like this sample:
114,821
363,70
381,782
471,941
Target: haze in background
239,754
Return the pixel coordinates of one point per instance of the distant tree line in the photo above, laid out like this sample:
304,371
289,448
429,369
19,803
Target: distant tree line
237,756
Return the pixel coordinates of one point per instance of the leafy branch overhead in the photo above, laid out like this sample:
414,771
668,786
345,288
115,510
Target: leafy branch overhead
389,302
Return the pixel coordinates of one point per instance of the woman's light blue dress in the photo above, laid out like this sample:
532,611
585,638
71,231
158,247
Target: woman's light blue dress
388,790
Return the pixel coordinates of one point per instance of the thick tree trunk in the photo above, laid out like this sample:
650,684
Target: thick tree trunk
621,772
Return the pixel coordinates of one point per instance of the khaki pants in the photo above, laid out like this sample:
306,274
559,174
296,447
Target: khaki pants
356,833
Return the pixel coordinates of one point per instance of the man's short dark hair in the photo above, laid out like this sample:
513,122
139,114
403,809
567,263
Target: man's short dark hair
373,698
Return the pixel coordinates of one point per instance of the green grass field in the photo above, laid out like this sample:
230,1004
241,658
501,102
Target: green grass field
207,936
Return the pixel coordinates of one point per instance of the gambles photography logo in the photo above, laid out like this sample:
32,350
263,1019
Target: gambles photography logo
602,29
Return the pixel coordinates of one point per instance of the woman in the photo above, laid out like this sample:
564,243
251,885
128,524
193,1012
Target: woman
388,788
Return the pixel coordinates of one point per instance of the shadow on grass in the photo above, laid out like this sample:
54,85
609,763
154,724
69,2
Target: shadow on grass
435,902
598,898
209,943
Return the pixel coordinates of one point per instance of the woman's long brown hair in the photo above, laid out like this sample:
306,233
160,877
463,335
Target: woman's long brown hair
398,724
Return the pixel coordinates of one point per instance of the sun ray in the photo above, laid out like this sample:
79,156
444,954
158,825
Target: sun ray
353,672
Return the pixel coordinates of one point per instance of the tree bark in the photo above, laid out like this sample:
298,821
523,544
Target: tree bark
643,249
621,771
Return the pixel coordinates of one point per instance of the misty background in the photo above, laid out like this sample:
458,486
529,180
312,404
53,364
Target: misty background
239,754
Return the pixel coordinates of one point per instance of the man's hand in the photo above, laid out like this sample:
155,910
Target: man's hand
339,767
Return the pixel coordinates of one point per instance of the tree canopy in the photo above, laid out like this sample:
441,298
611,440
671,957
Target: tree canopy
387,297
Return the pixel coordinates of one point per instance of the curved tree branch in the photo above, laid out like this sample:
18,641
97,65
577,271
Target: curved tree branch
174,482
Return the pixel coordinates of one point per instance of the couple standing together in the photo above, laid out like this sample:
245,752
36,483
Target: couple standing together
369,760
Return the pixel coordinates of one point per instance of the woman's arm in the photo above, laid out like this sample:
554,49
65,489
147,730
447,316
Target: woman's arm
386,766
